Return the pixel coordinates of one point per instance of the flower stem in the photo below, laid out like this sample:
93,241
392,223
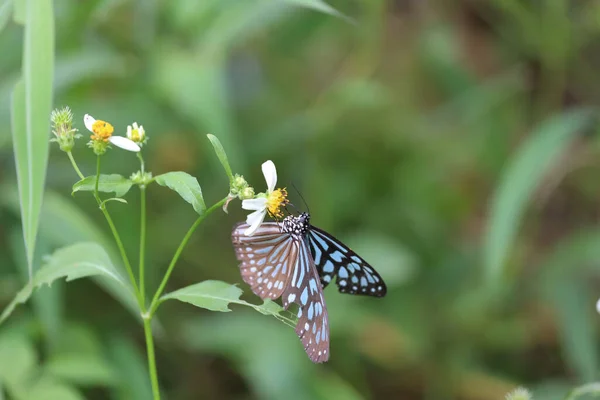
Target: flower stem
74,164
116,236
186,238
142,257
151,357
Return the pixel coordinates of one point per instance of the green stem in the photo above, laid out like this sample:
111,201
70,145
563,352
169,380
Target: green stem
74,164
186,238
142,257
116,236
151,357
97,179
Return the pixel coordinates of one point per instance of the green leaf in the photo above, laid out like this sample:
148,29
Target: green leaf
5,12
221,155
563,284
217,295
108,183
575,317
32,103
113,199
519,181
47,302
77,261
590,388
81,369
186,185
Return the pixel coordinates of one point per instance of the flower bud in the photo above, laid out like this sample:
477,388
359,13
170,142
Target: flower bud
62,128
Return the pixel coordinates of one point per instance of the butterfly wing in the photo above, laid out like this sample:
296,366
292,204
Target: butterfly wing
304,290
333,258
278,264
267,258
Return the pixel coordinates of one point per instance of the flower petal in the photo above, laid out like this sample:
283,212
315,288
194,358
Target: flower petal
254,220
88,121
128,131
254,204
124,143
270,173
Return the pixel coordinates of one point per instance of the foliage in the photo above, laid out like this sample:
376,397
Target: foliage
453,143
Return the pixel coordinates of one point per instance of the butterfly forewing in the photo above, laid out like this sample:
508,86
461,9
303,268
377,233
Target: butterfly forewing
267,258
332,258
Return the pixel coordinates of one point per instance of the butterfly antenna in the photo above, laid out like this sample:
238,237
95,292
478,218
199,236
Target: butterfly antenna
302,197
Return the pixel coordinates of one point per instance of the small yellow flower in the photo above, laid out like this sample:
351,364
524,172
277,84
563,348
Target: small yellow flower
275,201
102,134
101,130
136,133
272,201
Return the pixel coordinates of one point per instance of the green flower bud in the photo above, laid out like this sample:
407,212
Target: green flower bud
142,179
99,146
247,193
62,128
519,394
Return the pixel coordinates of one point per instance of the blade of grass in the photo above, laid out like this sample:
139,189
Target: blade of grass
518,183
32,103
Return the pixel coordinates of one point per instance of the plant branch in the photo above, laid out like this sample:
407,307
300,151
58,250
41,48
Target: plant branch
184,241
74,164
151,357
116,236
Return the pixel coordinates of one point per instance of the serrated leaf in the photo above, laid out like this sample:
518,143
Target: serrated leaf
518,183
113,183
212,295
217,295
220,151
186,186
73,262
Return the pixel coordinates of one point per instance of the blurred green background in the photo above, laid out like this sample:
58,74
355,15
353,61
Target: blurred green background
450,143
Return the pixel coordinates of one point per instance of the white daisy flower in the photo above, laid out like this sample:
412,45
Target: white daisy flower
136,133
103,132
269,202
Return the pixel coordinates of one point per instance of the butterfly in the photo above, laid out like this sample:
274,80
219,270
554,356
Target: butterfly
296,261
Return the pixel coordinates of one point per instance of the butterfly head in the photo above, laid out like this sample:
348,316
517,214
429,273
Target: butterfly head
296,225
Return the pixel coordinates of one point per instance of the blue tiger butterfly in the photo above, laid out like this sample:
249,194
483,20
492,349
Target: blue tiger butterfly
296,261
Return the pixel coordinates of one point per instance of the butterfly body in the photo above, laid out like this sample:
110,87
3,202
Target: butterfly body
296,261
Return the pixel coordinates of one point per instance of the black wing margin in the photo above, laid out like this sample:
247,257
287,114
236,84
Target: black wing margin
334,259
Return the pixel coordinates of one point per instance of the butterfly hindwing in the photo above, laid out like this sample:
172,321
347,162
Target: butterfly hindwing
313,321
333,258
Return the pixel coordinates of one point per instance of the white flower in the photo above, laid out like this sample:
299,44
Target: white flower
270,202
136,133
103,131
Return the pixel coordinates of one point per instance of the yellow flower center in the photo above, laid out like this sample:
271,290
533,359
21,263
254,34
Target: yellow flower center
275,201
135,135
102,131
